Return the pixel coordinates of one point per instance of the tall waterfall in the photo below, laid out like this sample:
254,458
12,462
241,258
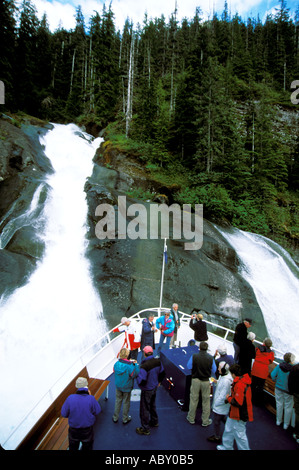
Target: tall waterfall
49,322
274,277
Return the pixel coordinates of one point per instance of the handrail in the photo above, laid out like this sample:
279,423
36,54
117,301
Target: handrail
49,394
106,339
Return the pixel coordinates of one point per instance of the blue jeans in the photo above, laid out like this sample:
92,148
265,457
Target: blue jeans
161,343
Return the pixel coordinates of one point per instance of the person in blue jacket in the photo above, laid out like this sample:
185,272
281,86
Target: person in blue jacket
81,409
166,325
125,371
284,400
149,378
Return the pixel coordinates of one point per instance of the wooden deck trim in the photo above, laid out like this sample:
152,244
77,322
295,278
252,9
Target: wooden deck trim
51,430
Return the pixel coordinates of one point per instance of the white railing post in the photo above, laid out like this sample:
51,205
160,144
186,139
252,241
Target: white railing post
162,277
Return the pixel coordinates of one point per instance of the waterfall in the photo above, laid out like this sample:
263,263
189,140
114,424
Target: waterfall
274,277
20,221
49,322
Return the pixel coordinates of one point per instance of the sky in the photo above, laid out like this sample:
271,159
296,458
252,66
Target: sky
62,12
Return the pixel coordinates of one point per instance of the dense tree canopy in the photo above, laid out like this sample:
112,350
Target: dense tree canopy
197,95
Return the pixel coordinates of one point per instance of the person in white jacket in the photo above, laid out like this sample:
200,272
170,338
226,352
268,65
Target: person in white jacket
219,406
132,336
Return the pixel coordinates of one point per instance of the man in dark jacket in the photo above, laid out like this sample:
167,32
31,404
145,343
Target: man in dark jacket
81,410
148,332
203,367
293,384
199,327
247,354
149,378
240,336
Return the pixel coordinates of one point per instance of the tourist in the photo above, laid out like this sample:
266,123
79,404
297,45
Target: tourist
203,366
240,336
132,336
220,406
81,409
149,379
247,354
239,413
222,356
284,400
199,327
293,384
264,356
165,324
176,318
148,332
125,372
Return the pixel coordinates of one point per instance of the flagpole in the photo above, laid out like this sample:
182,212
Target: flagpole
162,277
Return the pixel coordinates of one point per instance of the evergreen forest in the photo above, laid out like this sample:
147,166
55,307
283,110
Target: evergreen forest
205,105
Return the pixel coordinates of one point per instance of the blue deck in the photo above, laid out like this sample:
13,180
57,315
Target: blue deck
175,433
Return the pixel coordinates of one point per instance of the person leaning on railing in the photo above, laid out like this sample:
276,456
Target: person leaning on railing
284,400
260,370
293,384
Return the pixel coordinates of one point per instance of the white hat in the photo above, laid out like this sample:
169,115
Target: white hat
222,349
81,382
124,320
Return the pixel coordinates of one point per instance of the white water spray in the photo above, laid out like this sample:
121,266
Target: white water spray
49,322
20,221
274,277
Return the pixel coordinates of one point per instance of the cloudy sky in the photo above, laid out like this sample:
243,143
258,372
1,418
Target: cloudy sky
63,11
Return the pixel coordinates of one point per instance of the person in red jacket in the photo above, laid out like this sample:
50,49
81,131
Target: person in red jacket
132,336
260,370
239,413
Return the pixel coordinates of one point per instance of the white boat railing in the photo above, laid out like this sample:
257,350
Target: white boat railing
104,343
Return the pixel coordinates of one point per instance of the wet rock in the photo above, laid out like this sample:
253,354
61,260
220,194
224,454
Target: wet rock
127,273
27,241
15,271
23,168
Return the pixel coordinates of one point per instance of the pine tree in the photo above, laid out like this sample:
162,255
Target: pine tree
7,41
44,67
105,66
270,168
146,92
77,87
26,86
62,53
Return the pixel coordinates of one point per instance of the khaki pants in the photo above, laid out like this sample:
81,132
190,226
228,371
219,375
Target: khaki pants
122,398
198,386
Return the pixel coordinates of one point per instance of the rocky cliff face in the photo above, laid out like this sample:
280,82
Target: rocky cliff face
127,273
23,167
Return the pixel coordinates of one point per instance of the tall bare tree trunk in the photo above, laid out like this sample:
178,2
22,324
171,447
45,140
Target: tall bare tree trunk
73,68
129,111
